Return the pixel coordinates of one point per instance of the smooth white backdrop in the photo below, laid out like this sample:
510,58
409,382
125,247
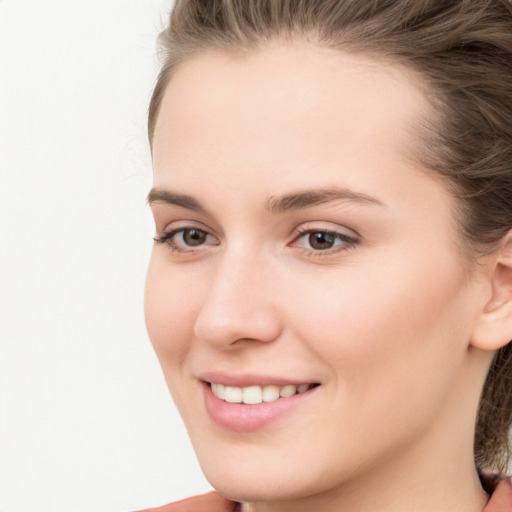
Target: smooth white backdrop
86,422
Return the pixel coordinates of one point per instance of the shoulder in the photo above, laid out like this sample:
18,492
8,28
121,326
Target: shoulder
501,498
209,502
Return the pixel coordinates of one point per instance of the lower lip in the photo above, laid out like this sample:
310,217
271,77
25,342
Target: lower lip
248,418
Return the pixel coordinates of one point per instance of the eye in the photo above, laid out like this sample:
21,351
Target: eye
192,237
185,239
323,241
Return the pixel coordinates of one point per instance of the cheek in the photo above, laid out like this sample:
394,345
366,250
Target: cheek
390,337
170,312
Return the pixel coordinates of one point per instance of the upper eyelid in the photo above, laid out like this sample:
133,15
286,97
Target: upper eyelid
174,231
343,236
165,215
183,225
310,227
299,232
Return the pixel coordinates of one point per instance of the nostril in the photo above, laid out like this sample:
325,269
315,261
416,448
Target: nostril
240,326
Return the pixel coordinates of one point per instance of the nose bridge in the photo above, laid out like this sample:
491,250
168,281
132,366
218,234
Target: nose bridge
238,304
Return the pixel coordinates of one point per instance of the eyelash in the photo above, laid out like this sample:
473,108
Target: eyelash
348,242
168,238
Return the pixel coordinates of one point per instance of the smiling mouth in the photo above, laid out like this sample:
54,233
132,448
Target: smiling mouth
253,395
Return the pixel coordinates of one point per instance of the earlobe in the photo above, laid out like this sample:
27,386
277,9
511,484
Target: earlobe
494,326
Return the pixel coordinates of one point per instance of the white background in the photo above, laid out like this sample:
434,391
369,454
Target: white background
86,422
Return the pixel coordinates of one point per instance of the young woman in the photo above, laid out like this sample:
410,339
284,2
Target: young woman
330,290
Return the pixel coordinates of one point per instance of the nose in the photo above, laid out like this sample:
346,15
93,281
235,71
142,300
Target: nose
239,304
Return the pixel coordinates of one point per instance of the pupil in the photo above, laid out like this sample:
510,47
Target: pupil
194,237
321,240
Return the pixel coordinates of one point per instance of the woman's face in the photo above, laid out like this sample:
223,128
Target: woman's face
297,245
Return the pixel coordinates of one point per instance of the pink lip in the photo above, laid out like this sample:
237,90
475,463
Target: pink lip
248,379
248,418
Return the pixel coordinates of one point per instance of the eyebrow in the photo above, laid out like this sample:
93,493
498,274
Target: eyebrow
157,195
294,201
314,197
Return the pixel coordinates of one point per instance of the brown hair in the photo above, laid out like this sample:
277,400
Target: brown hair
462,50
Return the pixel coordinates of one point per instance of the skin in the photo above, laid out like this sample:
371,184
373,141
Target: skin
385,324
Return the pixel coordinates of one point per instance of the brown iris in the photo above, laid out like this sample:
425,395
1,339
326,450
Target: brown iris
321,240
194,237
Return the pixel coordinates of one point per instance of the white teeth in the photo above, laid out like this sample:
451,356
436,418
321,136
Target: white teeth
302,388
270,393
233,395
221,391
252,395
288,390
256,394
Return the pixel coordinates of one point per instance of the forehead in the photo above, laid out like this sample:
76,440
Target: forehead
285,107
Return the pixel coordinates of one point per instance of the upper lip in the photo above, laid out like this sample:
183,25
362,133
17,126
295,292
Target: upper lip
249,379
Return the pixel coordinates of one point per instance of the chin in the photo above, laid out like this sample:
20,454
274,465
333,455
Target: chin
261,474
248,486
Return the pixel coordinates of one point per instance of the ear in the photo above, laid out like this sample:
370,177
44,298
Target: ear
494,327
